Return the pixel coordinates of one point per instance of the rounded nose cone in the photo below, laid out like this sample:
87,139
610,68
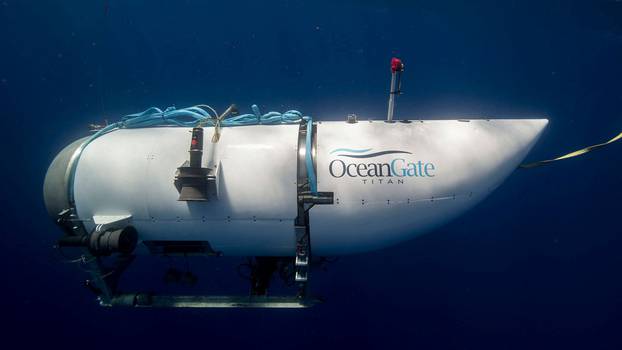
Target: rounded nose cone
55,193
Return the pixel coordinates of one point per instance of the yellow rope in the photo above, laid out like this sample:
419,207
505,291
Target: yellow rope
570,155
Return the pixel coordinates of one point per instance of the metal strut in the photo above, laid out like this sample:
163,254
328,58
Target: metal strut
104,280
307,198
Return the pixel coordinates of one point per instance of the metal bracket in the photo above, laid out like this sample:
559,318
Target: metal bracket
305,201
102,282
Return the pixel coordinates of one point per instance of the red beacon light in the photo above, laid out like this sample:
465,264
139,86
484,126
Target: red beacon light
397,67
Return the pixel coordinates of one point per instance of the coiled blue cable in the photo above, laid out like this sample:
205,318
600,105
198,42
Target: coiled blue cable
190,117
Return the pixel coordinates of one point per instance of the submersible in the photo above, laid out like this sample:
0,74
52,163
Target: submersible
277,187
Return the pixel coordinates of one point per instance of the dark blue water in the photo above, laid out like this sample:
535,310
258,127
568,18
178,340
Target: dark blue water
536,265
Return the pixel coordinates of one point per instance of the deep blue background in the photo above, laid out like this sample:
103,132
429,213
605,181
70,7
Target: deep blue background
536,265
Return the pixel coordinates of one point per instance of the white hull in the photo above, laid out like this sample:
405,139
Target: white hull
453,165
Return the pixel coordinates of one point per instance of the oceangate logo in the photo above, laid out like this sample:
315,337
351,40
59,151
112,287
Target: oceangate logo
359,163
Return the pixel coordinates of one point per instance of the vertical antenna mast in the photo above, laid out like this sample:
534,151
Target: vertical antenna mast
397,67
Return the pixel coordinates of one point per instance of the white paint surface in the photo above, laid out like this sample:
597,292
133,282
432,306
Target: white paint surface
131,172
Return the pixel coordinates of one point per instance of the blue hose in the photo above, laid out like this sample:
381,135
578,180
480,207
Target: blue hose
197,115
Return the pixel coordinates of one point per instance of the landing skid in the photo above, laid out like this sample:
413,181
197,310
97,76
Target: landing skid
205,301
105,275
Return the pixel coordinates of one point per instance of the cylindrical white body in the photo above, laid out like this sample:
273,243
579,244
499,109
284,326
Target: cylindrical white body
391,181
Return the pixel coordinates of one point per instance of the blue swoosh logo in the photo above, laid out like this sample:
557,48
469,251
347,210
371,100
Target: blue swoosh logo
350,150
371,155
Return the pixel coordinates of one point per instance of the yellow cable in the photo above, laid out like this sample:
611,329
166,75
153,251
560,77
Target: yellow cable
570,155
